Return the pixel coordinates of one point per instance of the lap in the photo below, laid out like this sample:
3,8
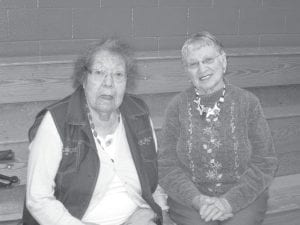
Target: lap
254,214
184,215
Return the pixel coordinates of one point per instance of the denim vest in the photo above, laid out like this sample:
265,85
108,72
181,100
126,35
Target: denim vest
79,168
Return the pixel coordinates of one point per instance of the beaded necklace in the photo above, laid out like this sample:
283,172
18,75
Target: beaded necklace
94,132
205,111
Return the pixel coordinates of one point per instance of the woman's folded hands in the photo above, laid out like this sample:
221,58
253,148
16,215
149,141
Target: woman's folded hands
212,208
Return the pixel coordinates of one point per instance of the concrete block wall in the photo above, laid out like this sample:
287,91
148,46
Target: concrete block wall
57,27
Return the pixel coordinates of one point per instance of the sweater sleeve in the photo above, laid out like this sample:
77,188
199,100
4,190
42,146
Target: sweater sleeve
262,165
172,178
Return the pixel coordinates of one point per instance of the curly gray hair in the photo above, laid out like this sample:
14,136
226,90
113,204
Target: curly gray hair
114,45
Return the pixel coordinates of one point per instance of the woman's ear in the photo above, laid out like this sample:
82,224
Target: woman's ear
224,62
85,78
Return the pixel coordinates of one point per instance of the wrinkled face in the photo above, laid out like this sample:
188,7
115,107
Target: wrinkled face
106,82
205,66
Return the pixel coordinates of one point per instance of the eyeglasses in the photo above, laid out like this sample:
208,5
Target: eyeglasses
100,75
208,61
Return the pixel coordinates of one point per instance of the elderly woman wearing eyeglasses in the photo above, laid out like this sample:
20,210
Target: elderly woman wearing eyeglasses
217,157
93,154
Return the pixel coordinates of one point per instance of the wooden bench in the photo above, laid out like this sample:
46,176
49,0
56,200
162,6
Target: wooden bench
273,74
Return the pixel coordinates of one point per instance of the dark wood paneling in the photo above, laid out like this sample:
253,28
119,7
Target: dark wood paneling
283,218
15,222
286,133
34,82
11,203
278,95
284,201
50,81
16,118
289,163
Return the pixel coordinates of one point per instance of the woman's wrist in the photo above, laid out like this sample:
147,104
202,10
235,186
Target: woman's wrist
226,205
196,202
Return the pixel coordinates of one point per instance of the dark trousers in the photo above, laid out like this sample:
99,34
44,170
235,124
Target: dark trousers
252,215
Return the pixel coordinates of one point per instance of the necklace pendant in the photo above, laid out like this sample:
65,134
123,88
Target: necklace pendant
207,112
210,112
204,110
108,142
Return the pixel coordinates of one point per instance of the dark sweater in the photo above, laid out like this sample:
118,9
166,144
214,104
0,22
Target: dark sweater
233,156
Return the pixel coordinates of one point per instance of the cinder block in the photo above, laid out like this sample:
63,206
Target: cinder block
64,47
261,21
214,20
96,23
200,3
18,4
284,40
3,25
185,3
19,49
144,43
55,24
282,3
239,41
176,3
36,24
164,21
129,3
237,3
171,43
69,3
293,21
23,24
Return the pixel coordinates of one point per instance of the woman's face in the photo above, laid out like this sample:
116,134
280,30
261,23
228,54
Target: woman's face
205,66
106,82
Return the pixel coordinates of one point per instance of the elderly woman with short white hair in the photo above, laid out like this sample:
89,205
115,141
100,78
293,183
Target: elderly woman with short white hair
217,157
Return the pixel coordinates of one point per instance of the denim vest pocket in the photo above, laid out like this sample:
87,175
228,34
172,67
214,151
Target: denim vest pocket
72,155
70,159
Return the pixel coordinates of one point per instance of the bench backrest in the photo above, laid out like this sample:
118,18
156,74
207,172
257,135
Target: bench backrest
273,74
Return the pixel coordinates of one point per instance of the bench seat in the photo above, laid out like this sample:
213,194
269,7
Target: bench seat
284,197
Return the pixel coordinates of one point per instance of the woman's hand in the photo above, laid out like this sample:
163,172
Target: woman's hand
142,216
215,209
